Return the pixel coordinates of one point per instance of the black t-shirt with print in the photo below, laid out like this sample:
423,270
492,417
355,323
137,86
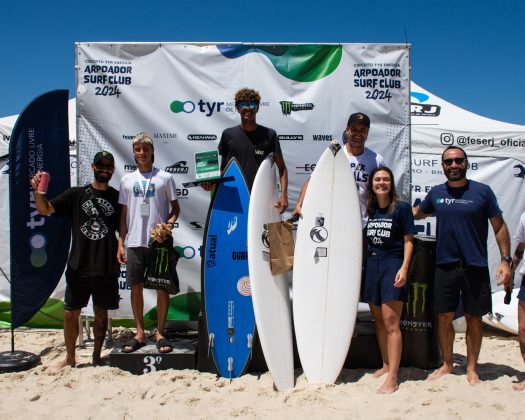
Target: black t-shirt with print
95,219
250,148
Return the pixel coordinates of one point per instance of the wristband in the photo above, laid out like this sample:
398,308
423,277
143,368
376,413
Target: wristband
507,258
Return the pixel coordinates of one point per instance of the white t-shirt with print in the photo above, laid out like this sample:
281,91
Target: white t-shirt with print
156,189
362,165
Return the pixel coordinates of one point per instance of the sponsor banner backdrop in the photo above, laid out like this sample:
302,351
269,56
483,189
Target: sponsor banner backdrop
183,95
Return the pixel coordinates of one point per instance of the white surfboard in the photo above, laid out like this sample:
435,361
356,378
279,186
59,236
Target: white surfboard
270,294
327,268
504,317
460,325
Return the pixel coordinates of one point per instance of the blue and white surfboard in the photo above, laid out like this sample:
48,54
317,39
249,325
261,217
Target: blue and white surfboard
228,308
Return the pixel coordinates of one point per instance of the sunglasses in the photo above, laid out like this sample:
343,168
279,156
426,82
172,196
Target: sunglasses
457,161
249,105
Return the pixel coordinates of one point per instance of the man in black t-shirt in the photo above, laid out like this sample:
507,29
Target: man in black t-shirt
250,143
92,267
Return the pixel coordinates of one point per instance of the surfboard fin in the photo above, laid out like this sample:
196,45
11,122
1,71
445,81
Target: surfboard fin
211,337
250,344
230,366
335,147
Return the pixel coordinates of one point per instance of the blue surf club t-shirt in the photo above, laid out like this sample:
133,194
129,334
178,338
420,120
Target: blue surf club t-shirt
385,231
462,221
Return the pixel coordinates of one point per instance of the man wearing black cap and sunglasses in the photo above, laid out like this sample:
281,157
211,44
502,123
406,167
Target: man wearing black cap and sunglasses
462,208
92,267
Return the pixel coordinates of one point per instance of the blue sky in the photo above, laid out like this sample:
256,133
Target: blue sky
469,52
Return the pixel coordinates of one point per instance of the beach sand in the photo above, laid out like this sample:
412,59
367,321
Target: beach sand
87,392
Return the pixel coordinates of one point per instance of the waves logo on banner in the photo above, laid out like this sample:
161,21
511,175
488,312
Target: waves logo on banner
301,63
39,244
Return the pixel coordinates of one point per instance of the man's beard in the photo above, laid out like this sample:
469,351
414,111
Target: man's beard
100,178
461,174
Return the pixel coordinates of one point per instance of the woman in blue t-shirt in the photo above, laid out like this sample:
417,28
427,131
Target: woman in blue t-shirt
390,237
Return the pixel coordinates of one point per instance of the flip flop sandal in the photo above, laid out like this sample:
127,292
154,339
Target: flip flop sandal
134,344
163,342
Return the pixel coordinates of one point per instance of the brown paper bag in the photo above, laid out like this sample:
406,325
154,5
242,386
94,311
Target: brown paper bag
281,243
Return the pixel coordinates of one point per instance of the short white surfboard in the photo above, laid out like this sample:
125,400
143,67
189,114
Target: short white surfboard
270,294
327,268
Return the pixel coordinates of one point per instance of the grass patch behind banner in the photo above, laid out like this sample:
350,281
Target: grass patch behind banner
184,307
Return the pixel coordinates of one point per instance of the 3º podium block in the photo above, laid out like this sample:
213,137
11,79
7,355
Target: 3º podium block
148,359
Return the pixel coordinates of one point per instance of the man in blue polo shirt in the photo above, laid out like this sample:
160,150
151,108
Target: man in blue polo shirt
462,208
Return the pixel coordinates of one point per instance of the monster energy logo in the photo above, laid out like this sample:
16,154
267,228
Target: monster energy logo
419,291
161,260
287,107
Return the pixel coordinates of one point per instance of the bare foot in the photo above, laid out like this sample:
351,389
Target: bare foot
519,387
388,388
68,361
443,370
380,372
100,361
473,378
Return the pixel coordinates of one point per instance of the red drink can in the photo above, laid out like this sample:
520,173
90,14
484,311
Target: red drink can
44,182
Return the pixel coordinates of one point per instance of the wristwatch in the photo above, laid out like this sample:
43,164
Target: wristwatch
507,258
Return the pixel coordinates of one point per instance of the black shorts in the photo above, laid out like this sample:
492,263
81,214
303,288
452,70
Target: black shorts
472,284
104,289
137,264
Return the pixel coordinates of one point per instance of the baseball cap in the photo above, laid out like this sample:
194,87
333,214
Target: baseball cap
103,155
358,118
